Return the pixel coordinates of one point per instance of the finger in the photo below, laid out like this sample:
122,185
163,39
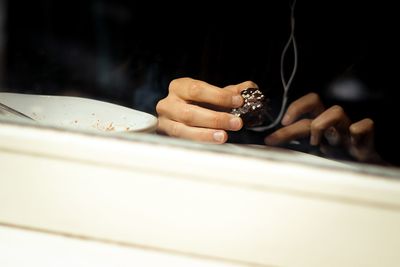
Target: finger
362,131
362,141
299,129
332,136
237,88
180,130
168,106
202,92
193,115
308,104
363,127
332,117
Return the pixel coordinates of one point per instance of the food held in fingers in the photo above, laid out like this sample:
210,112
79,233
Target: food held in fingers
254,111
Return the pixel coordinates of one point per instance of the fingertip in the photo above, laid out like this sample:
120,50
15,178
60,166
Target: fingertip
235,124
220,137
287,119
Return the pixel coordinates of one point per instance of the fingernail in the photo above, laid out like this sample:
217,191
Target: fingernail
237,101
286,120
235,123
219,136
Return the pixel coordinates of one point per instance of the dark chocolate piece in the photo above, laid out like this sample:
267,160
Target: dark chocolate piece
254,111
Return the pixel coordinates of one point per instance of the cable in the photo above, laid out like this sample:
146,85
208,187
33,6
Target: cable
286,85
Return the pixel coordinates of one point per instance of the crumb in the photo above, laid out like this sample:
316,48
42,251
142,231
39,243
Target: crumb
110,127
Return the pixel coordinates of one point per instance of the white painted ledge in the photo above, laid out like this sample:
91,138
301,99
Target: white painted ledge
231,208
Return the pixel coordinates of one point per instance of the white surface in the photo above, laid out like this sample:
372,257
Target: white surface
246,210
28,248
79,113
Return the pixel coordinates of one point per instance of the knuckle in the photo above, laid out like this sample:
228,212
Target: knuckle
316,126
338,110
174,130
354,129
194,89
223,98
187,114
160,107
174,84
314,97
369,122
217,121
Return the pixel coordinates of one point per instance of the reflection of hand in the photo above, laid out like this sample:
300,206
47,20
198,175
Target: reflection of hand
194,110
332,124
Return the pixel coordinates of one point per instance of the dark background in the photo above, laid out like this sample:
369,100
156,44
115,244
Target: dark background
127,52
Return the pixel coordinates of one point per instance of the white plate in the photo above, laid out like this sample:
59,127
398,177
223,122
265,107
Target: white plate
79,113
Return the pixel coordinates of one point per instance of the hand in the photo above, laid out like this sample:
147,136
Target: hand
332,124
198,111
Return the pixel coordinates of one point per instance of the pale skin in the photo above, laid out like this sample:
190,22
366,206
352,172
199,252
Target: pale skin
199,111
